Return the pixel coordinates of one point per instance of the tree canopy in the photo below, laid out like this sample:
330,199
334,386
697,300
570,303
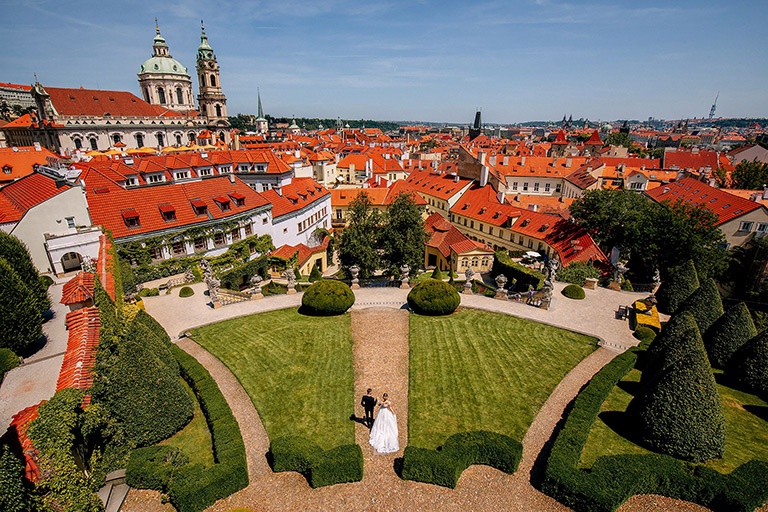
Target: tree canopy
750,175
403,235
17,255
20,321
359,241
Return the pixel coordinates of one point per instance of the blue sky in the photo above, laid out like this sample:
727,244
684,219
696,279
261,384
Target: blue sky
517,60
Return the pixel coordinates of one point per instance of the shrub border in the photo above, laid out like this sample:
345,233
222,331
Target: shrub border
445,465
614,479
320,467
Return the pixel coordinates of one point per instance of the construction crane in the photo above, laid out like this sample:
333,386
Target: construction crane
714,106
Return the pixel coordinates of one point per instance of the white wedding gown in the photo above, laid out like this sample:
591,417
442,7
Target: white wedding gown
384,431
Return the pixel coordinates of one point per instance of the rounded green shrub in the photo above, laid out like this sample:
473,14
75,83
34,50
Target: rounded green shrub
728,334
186,291
644,334
148,292
680,284
577,273
433,298
327,297
748,366
46,281
574,291
437,274
315,275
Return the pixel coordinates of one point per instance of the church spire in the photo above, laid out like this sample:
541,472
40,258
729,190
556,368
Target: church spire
260,113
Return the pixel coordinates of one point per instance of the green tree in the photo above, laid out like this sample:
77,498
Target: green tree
728,334
13,494
679,284
619,139
403,235
749,366
20,321
750,175
670,346
17,255
705,305
358,244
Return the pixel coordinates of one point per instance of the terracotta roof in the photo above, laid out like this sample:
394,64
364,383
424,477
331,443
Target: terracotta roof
688,190
442,186
78,289
582,176
107,209
24,193
538,166
560,138
594,139
20,87
287,251
689,160
543,204
20,423
92,102
446,238
298,194
80,356
20,161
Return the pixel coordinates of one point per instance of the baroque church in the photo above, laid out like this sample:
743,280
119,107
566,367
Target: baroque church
80,120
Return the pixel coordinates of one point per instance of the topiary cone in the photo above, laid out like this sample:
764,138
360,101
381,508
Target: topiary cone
728,334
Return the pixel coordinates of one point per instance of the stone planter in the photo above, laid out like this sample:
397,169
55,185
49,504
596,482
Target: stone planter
591,283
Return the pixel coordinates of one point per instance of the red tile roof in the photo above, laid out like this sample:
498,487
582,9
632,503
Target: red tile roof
689,160
80,356
560,138
594,139
20,423
688,190
22,194
299,193
91,102
446,238
20,87
20,161
442,186
78,289
107,208
287,251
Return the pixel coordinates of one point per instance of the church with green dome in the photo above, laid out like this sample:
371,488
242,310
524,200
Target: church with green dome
165,81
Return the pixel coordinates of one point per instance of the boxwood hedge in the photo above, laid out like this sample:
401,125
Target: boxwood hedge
728,334
434,298
520,275
445,465
574,291
749,365
335,466
614,479
705,305
327,297
680,283
186,291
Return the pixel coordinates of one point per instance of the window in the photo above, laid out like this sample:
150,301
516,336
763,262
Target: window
156,253
191,136
139,140
219,239
514,185
202,80
178,140
161,95
481,227
264,220
178,248
70,222
146,95
536,187
182,175
636,185
746,225
557,188
218,110
525,186
168,212
530,243
160,139
179,96
116,138
94,144
249,228
762,229
78,144
547,186
520,239
339,215
213,80
261,167
205,172
472,224
235,234
201,244
490,230
155,178
132,222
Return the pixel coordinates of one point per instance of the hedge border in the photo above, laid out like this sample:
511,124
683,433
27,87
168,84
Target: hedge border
523,276
320,467
194,488
445,465
614,479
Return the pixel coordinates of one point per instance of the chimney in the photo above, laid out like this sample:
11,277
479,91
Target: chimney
500,196
483,175
522,161
37,146
568,162
492,160
695,150
765,191
554,161
231,178
506,160
533,207
378,180
481,157
455,178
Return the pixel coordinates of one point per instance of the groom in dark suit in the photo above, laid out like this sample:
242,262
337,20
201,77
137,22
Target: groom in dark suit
368,403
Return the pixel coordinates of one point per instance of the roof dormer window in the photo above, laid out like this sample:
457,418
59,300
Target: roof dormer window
526,222
7,169
167,211
131,218
223,203
238,198
199,206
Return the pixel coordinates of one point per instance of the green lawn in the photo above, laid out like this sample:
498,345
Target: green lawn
298,371
745,417
478,370
194,440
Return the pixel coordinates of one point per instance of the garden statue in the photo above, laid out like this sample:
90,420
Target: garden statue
354,270
290,276
501,291
189,276
256,284
205,266
618,274
405,270
89,265
213,291
468,275
553,265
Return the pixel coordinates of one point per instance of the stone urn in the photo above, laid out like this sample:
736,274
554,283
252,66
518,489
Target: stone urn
355,270
405,271
468,275
291,278
256,285
501,290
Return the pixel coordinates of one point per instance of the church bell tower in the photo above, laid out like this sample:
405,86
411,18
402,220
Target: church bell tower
211,100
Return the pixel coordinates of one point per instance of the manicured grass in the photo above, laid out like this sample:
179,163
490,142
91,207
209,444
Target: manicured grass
746,419
476,370
194,440
298,371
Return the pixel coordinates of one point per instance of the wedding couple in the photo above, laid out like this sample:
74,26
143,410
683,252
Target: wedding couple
384,429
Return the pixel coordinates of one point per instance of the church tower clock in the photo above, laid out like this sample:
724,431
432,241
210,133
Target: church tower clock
211,100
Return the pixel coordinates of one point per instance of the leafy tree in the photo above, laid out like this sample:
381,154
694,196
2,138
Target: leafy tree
5,110
358,243
619,139
13,494
728,334
749,365
750,175
705,305
17,255
678,285
403,235
679,413
20,321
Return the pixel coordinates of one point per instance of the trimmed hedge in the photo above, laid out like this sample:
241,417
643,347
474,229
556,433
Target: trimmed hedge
679,285
437,274
749,366
46,281
578,272
21,320
614,479
445,465
335,466
193,488
520,275
14,496
327,297
728,334
433,298
644,334
186,291
148,292
705,304
574,291
671,346
315,274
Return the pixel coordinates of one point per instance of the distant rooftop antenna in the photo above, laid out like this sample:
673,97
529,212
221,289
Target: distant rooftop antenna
714,106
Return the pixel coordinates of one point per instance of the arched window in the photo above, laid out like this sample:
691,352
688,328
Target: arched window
78,144
160,140
94,144
221,136
191,136
178,140
202,80
146,94
213,80
218,110
474,262
161,95
116,138
139,140
179,96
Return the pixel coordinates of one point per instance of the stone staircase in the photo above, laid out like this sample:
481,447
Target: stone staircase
227,297
114,491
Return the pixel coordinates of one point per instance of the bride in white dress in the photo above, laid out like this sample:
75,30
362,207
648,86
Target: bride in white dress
384,431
